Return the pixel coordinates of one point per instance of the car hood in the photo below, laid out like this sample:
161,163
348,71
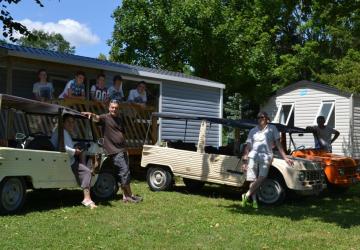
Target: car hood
328,159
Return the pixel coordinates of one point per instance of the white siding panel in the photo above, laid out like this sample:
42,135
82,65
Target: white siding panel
181,98
356,128
307,102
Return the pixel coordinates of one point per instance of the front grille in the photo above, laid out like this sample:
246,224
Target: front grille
312,175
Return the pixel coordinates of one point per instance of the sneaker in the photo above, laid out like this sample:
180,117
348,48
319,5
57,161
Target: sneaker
133,199
255,204
244,201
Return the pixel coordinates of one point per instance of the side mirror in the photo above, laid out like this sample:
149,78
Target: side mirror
100,142
20,137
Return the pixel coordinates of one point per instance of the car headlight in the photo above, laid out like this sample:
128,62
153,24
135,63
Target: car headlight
341,171
301,176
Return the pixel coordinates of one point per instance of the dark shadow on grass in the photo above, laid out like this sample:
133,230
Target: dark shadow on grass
50,199
212,191
342,210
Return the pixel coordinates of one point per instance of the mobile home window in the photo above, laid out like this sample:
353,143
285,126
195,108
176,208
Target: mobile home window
286,114
327,109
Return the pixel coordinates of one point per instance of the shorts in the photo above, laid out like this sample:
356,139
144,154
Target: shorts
257,168
121,163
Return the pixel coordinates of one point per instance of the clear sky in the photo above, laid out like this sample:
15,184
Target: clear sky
86,24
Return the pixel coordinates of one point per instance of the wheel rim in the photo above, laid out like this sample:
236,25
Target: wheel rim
104,186
158,178
12,194
270,191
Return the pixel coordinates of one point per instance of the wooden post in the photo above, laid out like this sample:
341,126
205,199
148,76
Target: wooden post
154,129
9,76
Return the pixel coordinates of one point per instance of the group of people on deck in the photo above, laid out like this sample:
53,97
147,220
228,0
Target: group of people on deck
43,90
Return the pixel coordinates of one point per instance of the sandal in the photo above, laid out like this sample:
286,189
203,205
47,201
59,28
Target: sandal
90,204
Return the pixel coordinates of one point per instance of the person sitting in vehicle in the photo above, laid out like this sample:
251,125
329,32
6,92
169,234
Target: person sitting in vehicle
82,172
138,95
43,90
115,92
75,88
323,134
99,91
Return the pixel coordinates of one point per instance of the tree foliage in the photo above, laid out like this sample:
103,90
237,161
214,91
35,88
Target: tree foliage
9,24
49,41
102,57
254,46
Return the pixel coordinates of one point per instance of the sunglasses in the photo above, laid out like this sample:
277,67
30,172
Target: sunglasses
261,117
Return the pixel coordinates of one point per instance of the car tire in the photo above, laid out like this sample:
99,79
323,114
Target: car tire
193,185
105,187
272,191
159,178
12,194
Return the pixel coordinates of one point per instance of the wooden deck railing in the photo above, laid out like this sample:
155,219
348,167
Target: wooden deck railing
136,120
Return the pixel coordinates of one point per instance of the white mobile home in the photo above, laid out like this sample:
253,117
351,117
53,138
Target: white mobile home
299,104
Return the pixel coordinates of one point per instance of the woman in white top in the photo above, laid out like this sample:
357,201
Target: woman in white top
82,173
258,155
43,90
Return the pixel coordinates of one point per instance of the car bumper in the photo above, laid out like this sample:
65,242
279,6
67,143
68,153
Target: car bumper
314,189
345,181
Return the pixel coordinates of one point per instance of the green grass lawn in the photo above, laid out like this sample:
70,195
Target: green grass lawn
177,219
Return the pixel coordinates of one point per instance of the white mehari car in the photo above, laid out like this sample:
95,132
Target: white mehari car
197,164
28,160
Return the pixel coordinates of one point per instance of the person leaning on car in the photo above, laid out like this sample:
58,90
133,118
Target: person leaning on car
323,134
81,172
114,145
258,155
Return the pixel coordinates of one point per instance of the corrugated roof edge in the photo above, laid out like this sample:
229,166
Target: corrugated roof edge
59,57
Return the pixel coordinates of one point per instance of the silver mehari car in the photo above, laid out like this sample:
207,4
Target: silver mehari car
198,163
28,160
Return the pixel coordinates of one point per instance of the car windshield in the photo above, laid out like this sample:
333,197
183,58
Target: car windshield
302,141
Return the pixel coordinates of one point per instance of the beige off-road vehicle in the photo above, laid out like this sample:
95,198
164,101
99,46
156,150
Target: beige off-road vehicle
198,163
28,160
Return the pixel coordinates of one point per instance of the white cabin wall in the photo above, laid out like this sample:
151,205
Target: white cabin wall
307,103
356,127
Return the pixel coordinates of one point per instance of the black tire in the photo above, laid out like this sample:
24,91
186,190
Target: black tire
193,185
105,187
159,178
272,191
12,195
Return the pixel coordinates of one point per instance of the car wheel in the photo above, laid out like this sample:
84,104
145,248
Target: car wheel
159,179
12,194
105,186
193,185
272,191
